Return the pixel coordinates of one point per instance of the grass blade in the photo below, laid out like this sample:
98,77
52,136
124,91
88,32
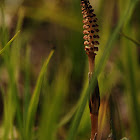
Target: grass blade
53,103
35,98
131,85
9,43
131,39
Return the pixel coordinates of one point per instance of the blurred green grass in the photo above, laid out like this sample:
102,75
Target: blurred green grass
56,107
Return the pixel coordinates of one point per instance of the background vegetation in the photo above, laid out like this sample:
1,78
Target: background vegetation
43,70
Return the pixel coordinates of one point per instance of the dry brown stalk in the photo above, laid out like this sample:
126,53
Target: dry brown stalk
90,35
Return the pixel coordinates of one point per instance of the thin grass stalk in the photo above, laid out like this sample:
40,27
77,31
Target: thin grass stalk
9,43
27,84
53,104
12,93
131,39
35,99
11,105
133,93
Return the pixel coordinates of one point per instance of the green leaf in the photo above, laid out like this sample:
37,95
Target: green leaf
35,98
9,43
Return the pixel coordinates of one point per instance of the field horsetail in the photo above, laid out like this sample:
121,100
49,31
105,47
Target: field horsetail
91,41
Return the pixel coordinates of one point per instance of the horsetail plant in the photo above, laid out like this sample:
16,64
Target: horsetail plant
90,35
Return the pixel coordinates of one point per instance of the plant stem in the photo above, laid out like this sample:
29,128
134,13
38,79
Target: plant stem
94,102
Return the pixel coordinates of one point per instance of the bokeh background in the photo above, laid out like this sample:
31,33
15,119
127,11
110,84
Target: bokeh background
57,24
